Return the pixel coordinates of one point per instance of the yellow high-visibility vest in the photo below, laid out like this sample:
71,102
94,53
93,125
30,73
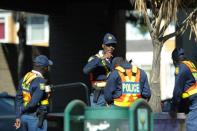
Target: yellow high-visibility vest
193,89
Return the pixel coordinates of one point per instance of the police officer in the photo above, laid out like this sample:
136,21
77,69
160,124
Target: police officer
185,90
31,98
125,84
98,67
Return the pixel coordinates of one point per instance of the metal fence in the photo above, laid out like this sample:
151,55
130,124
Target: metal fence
64,93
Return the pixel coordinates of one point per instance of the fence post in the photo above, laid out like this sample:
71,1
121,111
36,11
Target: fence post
140,116
74,116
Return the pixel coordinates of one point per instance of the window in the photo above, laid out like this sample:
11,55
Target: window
37,30
2,30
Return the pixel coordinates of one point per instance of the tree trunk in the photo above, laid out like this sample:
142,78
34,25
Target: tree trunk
155,100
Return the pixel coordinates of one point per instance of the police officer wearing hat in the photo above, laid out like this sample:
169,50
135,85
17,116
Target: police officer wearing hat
32,96
185,89
98,68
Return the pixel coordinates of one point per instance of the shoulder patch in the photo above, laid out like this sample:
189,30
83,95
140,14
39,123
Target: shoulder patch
42,86
177,70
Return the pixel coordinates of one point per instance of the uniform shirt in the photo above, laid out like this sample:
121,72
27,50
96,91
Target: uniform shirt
183,80
113,88
37,93
96,67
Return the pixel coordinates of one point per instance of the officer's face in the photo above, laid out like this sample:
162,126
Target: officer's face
108,48
46,71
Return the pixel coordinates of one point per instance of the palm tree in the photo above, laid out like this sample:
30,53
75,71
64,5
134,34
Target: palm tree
163,12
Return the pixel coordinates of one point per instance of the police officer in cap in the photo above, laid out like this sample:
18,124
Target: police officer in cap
98,68
32,96
185,89
125,84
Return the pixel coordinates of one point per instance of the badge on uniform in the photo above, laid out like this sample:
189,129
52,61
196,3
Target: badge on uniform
42,86
109,37
177,70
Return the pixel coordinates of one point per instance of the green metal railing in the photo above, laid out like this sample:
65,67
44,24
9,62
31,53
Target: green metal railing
79,117
74,116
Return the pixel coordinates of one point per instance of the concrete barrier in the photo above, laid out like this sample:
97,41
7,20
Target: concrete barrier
163,122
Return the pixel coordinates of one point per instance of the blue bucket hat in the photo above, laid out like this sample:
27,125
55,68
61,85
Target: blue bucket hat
43,61
109,39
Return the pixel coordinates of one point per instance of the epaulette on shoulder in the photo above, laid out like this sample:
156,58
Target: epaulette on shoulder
91,58
95,56
98,56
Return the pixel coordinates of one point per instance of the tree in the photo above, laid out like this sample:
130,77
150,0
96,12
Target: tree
163,12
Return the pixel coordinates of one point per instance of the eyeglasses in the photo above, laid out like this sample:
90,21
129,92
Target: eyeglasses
112,45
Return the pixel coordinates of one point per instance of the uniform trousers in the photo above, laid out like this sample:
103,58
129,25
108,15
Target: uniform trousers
30,123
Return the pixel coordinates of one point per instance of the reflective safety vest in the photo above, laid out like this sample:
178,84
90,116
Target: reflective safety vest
193,89
130,79
29,77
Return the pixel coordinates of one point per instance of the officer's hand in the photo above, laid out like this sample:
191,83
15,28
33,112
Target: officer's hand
173,114
17,123
173,110
107,55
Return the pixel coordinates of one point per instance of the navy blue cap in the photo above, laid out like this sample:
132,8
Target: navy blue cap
117,61
177,53
42,60
109,39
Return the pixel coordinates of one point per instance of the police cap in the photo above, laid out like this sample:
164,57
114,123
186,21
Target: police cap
43,61
109,39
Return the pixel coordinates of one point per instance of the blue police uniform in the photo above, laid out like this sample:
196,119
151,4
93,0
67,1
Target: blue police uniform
185,88
31,97
184,80
113,88
98,69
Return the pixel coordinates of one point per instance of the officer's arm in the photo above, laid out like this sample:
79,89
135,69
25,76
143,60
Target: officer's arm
110,87
180,79
19,100
93,62
145,88
37,94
